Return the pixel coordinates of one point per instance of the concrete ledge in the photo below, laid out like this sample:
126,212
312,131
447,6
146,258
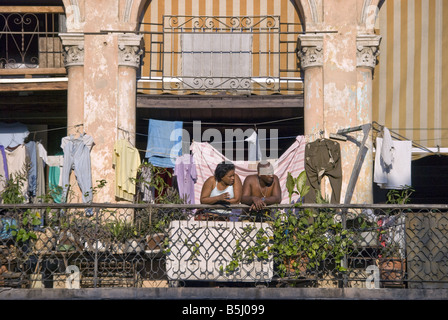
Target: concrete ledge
223,294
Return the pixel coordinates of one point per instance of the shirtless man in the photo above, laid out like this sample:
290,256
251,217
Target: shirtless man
262,189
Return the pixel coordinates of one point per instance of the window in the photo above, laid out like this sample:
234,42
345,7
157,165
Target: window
216,60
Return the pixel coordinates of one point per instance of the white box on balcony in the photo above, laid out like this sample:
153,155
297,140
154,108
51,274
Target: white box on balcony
205,250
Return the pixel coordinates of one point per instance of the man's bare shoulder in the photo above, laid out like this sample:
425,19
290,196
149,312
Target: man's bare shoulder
250,179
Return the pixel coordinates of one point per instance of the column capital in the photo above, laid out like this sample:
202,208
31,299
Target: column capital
129,49
310,50
73,44
367,46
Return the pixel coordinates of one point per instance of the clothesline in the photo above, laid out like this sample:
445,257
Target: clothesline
243,123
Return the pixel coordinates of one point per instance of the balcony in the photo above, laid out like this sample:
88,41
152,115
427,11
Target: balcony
164,245
30,48
216,54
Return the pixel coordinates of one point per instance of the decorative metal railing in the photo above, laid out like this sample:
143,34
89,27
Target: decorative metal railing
59,246
209,54
30,40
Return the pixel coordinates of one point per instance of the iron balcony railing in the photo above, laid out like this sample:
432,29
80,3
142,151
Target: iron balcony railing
238,54
105,245
29,41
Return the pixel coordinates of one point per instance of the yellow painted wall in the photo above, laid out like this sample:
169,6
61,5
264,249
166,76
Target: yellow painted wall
284,9
410,89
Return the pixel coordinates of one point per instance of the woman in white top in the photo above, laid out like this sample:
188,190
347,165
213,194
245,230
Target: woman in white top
224,187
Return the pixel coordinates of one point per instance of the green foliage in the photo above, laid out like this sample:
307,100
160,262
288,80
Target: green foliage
121,230
12,193
28,220
312,235
246,250
297,185
403,196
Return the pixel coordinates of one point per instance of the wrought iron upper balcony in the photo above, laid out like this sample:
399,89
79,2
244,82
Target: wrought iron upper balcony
29,41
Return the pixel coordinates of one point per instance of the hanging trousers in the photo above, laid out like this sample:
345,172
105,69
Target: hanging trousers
77,158
323,158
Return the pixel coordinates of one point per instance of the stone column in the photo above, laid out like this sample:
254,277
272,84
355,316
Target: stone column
310,54
73,53
129,52
367,46
337,62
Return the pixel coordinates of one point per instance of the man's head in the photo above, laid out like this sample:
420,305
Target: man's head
266,172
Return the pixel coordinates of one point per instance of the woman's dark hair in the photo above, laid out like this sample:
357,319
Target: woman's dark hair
222,169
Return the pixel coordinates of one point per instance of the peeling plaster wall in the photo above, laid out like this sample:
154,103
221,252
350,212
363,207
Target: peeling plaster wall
100,106
101,93
347,92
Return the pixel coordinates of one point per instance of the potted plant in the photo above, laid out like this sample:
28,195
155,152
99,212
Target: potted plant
305,238
392,256
118,236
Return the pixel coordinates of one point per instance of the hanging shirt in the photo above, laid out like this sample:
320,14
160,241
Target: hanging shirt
164,142
16,160
127,161
185,172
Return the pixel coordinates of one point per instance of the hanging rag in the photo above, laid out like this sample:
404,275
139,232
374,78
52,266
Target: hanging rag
164,142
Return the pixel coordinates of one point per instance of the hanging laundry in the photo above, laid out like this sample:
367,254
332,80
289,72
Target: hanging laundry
323,158
77,158
16,160
254,147
164,142
55,164
126,160
397,175
4,176
144,186
12,134
206,159
35,154
186,175
31,156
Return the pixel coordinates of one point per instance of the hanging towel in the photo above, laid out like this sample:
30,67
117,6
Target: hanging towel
55,164
398,174
164,142
185,171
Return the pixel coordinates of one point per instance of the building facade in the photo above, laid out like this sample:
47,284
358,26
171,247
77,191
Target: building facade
310,68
